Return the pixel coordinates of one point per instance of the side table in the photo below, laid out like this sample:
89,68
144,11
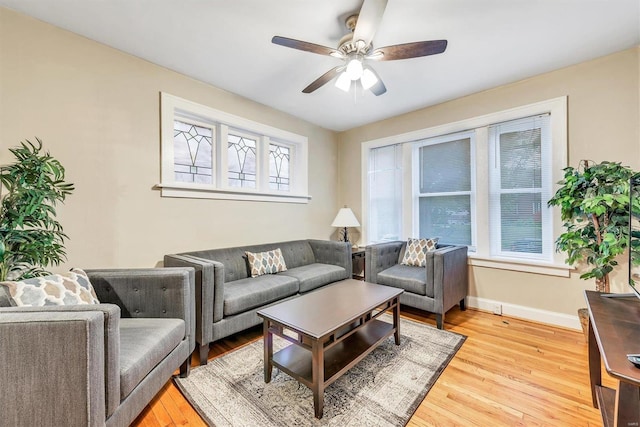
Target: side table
614,333
357,259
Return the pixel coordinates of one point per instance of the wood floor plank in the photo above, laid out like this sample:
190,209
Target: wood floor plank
509,372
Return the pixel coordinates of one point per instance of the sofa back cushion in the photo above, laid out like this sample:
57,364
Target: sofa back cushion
295,253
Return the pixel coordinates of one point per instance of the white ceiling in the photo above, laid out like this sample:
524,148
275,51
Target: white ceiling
227,43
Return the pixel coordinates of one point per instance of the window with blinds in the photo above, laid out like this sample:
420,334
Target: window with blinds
483,182
520,183
385,193
445,188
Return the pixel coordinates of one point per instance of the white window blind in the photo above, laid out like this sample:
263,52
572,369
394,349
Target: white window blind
445,185
385,193
520,185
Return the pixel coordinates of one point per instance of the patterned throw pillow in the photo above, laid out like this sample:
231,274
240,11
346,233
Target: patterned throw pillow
416,252
270,262
58,289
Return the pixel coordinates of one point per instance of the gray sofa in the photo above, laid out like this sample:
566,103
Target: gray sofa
436,288
98,364
227,297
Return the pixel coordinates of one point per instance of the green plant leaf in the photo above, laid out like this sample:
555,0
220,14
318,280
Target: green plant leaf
32,238
593,201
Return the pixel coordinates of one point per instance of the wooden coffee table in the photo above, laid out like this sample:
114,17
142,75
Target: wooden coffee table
332,329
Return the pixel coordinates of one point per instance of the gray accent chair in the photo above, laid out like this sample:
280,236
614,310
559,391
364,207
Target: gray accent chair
435,288
227,297
96,365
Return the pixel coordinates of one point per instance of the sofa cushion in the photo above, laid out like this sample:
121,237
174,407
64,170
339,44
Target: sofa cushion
68,288
411,279
245,294
315,275
415,253
269,262
144,343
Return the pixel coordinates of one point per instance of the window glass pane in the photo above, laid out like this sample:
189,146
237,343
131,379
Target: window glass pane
521,159
446,167
446,217
192,153
242,161
520,222
385,193
279,157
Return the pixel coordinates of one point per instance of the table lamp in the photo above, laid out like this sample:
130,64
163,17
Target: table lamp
344,219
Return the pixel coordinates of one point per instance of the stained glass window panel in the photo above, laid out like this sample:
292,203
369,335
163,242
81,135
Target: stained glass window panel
241,161
192,153
279,157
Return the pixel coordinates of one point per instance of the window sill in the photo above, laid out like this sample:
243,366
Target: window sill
203,192
560,270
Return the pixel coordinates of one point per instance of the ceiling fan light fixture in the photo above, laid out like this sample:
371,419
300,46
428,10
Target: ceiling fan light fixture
343,82
354,67
368,79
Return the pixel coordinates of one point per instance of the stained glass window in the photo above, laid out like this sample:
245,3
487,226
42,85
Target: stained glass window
279,157
192,153
242,161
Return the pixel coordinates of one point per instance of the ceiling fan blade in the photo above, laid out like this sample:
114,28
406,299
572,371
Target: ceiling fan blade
409,50
368,20
323,79
306,46
378,88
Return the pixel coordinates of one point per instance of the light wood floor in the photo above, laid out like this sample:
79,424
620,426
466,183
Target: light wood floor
508,372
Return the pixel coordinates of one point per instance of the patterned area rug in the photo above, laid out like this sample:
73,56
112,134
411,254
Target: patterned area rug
384,389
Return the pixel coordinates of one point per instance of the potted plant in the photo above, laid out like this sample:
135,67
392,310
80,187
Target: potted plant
30,236
594,205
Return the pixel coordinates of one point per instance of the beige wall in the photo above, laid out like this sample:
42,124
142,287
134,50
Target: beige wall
97,111
603,109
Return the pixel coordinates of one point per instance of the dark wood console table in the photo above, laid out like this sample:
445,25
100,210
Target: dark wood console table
614,332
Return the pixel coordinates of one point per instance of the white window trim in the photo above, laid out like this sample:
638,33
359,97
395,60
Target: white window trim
557,107
174,107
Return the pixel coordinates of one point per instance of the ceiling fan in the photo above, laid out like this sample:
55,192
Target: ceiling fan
355,48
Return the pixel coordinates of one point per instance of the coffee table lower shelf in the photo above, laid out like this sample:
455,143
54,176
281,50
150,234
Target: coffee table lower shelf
606,402
297,361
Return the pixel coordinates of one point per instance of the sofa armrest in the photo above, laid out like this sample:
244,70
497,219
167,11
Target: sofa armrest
332,252
110,315
149,292
53,367
450,275
379,257
209,291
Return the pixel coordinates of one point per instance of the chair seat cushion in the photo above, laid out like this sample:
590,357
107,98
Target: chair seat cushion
411,279
144,343
313,276
245,294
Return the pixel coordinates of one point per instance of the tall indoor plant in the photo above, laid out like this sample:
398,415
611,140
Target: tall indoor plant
594,203
30,236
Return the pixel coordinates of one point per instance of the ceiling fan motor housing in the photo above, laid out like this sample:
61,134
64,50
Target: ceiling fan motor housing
346,44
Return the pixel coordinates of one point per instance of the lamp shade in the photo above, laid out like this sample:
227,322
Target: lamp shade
345,218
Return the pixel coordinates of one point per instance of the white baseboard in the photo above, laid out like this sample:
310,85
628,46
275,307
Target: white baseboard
528,313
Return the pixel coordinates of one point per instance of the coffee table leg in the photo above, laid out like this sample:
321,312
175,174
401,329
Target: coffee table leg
317,363
396,320
268,351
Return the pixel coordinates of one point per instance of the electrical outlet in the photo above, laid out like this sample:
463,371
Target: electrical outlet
497,309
